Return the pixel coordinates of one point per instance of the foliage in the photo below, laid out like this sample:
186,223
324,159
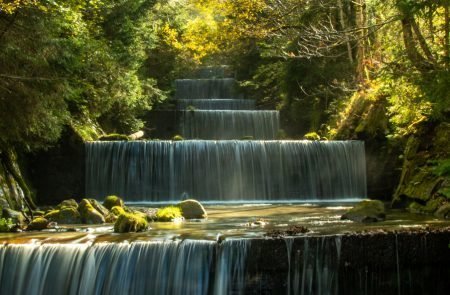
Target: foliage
168,213
442,168
6,225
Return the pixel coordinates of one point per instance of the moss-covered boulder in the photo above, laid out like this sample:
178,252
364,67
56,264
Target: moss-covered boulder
111,201
128,222
67,215
99,207
39,223
192,209
89,214
177,138
366,211
169,213
15,216
71,203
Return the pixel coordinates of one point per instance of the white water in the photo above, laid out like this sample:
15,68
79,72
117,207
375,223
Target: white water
229,124
158,171
216,104
185,267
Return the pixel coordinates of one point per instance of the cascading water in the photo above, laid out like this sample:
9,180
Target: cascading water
186,267
205,88
226,170
216,104
227,124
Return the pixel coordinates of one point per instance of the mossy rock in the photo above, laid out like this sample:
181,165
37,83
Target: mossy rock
15,216
111,201
443,211
429,208
311,136
192,209
114,137
99,207
89,214
118,210
114,214
177,138
422,185
37,213
70,203
366,211
67,215
129,222
39,223
168,213
247,137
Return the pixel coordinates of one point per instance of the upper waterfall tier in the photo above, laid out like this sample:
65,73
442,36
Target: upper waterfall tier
229,124
226,170
216,104
205,88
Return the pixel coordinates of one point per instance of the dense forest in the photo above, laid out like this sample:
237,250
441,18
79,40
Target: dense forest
336,69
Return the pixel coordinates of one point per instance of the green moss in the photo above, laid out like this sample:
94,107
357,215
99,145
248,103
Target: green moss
429,208
128,222
442,168
89,214
117,210
445,192
190,108
168,213
311,136
70,203
114,137
66,215
39,223
366,211
6,225
112,201
177,138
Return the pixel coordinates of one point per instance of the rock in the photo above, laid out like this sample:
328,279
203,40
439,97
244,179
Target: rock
429,208
111,201
114,137
37,213
71,203
366,211
67,215
311,136
39,223
128,222
99,207
15,216
443,211
192,209
169,213
89,214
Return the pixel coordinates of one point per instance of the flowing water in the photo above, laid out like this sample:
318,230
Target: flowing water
226,170
228,253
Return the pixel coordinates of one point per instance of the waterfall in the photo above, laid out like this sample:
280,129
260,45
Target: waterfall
216,104
205,88
226,170
167,267
229,124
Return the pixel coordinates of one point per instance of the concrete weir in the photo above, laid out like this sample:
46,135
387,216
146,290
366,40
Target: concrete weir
407,262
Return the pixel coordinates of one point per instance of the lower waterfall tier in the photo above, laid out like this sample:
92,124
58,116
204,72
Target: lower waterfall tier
226,170
375,263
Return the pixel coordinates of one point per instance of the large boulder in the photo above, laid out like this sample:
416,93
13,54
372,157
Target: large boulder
366,211
66,215
111,201
192,209
89,214
99,207
128,222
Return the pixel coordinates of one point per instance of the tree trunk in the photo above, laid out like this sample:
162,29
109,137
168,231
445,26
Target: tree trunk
343,26
410,46
361,73
447,36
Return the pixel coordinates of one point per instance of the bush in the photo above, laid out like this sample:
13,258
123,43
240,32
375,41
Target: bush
6,225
